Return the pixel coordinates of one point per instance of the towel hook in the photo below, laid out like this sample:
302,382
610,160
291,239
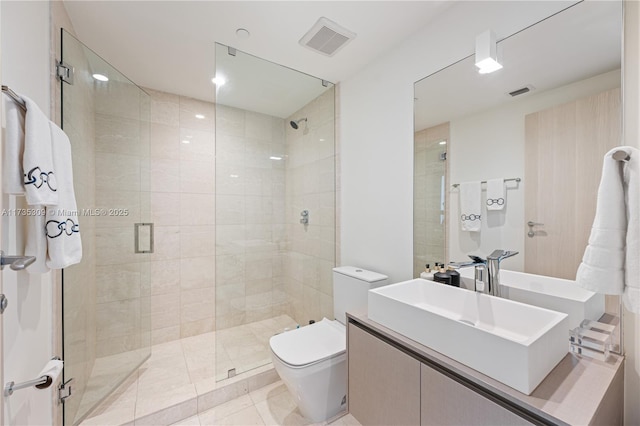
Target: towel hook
621,155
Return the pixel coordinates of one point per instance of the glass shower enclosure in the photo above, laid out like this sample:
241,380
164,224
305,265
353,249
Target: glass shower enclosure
275,221
236,261
106,300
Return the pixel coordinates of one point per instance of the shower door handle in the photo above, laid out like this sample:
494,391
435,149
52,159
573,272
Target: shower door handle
143,234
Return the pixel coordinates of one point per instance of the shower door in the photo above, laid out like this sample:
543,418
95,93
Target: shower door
275,205
106,297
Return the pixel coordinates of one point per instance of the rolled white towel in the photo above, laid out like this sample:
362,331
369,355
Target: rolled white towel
610,264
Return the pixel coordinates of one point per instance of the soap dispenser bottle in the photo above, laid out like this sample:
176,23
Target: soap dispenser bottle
442,277
427,274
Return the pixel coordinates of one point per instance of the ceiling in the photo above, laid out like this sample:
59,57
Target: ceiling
581,42
257,85
169,45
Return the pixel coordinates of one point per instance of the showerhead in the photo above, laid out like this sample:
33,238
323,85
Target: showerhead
294,124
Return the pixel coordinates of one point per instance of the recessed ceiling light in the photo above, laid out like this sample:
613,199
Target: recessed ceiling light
100,77
218,80
186,141
275,158
321,139
200,116
242,33
443,142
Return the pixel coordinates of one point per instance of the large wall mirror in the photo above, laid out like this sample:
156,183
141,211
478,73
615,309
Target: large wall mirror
547,118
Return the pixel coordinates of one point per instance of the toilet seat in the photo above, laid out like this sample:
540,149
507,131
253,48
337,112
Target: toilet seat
310,344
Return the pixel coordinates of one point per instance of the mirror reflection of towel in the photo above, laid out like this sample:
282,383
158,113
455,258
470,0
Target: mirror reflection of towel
470,206
496,195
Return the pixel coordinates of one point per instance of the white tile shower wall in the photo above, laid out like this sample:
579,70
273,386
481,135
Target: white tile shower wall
182,167
250,209
250,217
122,293
310,185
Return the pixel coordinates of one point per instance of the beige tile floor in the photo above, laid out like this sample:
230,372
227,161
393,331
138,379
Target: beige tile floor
184,369
270,405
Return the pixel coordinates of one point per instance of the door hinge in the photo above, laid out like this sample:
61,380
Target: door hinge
64,72
64,390
3,303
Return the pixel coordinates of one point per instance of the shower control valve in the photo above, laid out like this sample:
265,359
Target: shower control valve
304,217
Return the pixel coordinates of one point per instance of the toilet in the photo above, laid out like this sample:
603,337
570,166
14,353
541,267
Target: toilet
312,360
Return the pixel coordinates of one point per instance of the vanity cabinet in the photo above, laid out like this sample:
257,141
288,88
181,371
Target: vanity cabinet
393,380
384,382
389,387
443,401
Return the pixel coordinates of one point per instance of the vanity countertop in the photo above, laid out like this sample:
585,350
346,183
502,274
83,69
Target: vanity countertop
578,391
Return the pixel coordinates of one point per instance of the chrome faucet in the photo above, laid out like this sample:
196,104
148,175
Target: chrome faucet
489,267
493,270
480,268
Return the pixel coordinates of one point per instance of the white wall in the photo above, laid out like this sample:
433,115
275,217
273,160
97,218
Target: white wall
490,145
28,319
377,129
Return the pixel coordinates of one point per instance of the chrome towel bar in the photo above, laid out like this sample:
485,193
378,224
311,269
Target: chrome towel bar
42,382
13,95
455,185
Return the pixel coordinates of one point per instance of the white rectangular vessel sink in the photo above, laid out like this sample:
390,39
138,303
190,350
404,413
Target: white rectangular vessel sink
513,343
552,293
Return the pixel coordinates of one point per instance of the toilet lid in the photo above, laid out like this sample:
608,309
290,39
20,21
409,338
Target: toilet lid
310,344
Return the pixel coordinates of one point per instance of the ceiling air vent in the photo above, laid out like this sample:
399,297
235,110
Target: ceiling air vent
521,91
327,37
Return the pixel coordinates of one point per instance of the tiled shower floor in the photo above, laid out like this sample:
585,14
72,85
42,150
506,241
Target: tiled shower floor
183,370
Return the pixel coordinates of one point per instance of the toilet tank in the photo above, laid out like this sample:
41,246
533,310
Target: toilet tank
350,287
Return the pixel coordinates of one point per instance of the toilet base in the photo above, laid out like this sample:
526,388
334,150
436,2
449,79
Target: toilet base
319,389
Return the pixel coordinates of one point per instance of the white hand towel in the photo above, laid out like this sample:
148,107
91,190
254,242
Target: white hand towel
37,162
496,195
470,206
614,235
36,244
64,246
12,177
